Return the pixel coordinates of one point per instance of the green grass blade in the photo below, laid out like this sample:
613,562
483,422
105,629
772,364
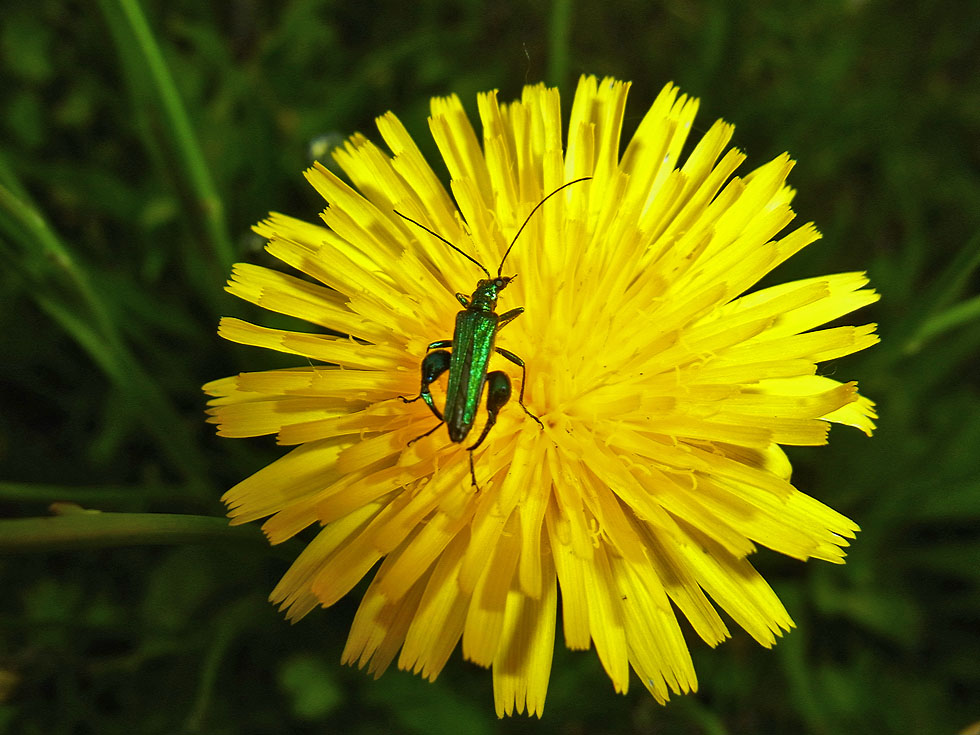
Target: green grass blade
10,180
154,89
958,274
938,316
946,321
23,222
80,311
153,407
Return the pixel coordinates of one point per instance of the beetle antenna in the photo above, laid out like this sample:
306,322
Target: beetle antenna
437,235
536,208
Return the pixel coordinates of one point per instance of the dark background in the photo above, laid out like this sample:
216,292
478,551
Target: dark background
111,290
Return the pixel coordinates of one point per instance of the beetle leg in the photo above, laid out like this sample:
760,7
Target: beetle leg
473,473
509,316
518,361
422,436
434,365
498,393
440,345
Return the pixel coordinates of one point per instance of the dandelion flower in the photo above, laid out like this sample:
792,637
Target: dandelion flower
664,383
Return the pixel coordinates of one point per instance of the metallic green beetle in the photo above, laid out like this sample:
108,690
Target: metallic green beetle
473,342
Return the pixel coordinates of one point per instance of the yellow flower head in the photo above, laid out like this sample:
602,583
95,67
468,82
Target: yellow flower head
663,388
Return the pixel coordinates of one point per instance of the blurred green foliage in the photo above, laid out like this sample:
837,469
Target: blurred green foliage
125,199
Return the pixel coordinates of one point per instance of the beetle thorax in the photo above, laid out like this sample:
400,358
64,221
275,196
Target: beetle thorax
485,296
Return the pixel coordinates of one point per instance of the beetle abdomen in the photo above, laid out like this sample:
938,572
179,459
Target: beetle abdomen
473,343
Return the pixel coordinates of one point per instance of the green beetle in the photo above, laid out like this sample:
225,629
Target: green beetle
467,355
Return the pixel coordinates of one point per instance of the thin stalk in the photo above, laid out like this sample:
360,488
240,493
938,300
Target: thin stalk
96,530
559,41
115,497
